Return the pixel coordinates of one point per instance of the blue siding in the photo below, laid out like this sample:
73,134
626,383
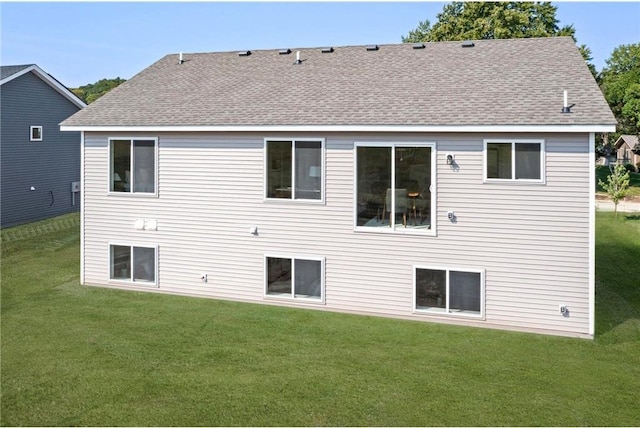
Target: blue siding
49,165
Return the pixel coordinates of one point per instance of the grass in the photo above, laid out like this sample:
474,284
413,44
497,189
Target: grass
74,355
602,172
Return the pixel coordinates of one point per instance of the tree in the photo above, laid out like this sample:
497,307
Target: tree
495,20
92,91
620,84
616,185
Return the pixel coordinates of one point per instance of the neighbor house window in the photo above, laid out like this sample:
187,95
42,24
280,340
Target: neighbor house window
294,278
514,160
449,291
35,133
132,165
394,186
132,264
294,169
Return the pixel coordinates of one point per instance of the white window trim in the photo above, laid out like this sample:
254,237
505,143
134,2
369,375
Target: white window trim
291,298
130,282
323,180
513,180
31,128
156,169
392,144
448,269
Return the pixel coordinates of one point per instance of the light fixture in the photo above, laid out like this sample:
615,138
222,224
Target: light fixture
449,159
116,177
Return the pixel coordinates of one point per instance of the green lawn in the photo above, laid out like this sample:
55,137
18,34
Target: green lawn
602,172
74,355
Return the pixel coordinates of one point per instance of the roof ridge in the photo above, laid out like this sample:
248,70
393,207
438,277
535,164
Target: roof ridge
293,49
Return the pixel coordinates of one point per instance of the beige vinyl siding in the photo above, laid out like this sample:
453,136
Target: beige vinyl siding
531,239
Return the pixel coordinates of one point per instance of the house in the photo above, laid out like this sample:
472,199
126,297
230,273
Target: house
39,162
448,182
624,148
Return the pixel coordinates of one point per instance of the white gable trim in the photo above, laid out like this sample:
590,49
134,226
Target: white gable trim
347,128
48,80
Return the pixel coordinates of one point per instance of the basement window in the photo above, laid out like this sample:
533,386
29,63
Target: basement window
134,264
449,291
294,278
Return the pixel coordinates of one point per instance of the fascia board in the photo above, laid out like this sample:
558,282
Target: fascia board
50,81
349,128
17,74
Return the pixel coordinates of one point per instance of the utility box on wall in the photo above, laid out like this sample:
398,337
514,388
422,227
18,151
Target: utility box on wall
75,186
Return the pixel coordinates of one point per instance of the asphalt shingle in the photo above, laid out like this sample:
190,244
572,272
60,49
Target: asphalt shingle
496,82
8,70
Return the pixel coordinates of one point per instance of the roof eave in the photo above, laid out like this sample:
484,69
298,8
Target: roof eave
346,128
50,81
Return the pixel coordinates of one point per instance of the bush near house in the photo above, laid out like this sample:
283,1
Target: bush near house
74,355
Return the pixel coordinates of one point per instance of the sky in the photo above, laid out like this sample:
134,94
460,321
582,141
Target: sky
82,42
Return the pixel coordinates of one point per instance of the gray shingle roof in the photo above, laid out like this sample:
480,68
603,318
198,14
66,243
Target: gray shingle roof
496,82
8,70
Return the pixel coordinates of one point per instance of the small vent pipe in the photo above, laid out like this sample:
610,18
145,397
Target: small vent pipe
566,108
298,61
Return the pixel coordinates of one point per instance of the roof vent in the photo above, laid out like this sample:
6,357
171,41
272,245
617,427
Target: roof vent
284,51
181,60
566,107
244,53
327,50
372,48
468,44
418,45
298,60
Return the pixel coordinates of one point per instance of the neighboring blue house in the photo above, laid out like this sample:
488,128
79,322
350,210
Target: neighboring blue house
39,163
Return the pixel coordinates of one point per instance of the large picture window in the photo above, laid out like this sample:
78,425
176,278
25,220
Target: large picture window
394,186
132,264
514,160
449,291
294,169
294,278
132,165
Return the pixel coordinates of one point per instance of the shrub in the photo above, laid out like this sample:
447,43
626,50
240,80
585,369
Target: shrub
631,167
